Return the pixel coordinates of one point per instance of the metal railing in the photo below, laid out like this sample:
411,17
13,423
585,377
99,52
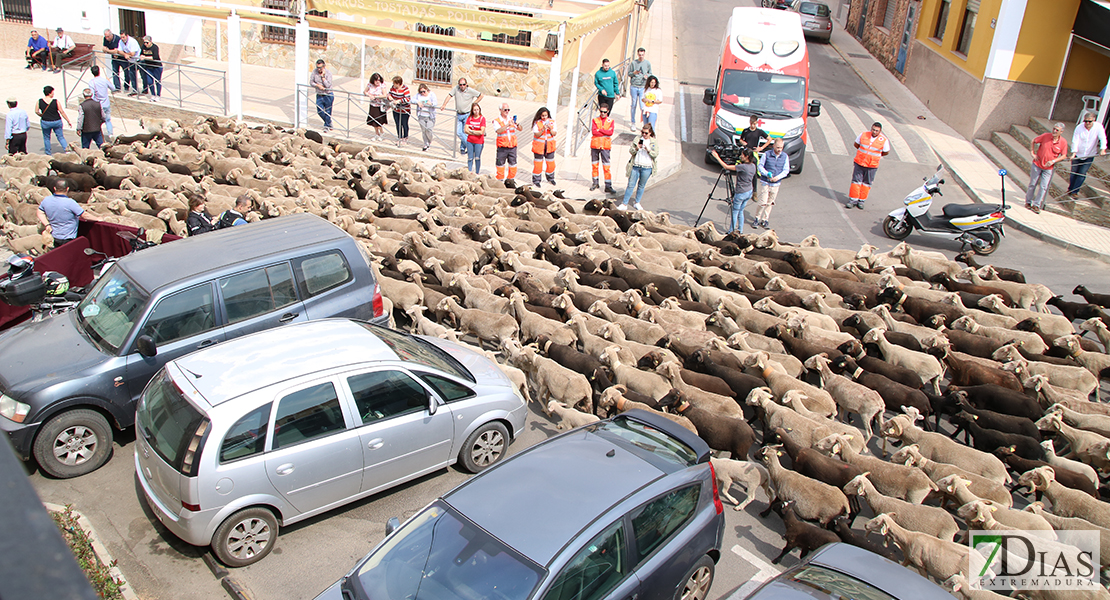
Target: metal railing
184,86
585,112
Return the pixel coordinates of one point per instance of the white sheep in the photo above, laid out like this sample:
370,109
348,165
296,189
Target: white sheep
891,478
980,486
813,500
748,474
849,395
927,367
939,558
941,448
569,418
1066,502
915,517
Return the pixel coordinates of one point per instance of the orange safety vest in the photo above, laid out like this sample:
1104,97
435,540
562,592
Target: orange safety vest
602,129
543,137
508,138
870,149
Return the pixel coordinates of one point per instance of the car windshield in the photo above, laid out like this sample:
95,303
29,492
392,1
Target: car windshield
416,350
838,585
168,422
763,94
814,9
109,312
657,443
441,555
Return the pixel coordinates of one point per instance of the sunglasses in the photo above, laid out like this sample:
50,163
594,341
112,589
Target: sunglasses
1086,121
504,110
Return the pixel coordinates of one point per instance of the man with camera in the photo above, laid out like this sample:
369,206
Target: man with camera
743,167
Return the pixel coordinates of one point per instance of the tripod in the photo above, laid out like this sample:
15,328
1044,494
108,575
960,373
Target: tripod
729,177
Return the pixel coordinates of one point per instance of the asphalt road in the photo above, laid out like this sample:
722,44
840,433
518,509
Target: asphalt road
312,554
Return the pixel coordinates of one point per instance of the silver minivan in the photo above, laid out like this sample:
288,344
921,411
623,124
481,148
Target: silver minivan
270,429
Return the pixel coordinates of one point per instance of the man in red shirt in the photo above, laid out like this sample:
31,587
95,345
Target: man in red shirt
1047,150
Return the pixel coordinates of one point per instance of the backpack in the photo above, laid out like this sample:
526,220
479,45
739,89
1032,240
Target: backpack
230,218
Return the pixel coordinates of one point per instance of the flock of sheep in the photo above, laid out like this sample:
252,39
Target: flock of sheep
591,311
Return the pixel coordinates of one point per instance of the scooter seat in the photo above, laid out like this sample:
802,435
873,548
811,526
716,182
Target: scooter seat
970,210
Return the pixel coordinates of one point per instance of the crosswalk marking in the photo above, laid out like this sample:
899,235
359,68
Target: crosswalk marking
765,571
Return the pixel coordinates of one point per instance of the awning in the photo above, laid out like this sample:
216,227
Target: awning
602,16
1092,22
435,14
170,7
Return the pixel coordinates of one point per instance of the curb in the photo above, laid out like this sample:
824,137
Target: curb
98,548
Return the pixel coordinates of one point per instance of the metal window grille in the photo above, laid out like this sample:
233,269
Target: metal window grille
434,64
888,16
17,11
133,22
287,35
967,27
522,38
942,19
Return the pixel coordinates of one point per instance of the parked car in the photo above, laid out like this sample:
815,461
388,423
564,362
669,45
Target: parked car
816,19
623,508
236,441
844,571
67,380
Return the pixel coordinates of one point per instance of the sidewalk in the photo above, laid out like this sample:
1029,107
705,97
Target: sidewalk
972,169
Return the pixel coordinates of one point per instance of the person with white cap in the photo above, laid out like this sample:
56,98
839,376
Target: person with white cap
16,125
60,49
90,116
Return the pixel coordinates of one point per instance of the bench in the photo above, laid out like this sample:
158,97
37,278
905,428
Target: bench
83,57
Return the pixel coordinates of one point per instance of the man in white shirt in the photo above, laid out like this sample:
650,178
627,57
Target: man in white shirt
129,49
1089,138
60,49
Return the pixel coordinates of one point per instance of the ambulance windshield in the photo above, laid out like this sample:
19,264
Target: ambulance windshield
772,95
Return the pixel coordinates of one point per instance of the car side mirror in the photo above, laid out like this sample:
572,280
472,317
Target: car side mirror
815,108
433,404
392,525
147,347
710,97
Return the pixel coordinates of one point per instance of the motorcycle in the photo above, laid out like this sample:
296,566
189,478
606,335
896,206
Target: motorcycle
975,225
46,294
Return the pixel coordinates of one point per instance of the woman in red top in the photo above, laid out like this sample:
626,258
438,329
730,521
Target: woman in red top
475,128
399,98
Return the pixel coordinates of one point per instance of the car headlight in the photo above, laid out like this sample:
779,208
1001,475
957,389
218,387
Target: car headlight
724,125
12,409
793,133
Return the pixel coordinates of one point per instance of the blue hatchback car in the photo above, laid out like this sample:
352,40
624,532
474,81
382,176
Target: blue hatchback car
627,507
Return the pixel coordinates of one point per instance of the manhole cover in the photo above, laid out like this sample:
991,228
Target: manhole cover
859,55
624,138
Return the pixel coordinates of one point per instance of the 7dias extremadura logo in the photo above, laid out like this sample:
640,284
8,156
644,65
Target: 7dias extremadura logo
1034,560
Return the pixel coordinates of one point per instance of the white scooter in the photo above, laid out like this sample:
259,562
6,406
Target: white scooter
975,225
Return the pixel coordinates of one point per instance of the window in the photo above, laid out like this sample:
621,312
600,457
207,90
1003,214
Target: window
170,424
324,272
967,27
18,11
522,38
182,315
595,570
434,64
889,13
257,292
447,389
385,394
133,22
287,35
306,415
942,19
657,520
246,437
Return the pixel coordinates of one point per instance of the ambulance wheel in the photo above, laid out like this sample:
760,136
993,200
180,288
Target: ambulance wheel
990,245
896,229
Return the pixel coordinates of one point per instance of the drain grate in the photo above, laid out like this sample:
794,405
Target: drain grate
859,55
624,138
880,105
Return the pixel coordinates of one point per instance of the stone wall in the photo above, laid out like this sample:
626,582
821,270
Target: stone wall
881,42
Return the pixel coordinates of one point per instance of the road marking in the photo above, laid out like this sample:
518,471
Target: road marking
682,112
765,571
839,207
832,134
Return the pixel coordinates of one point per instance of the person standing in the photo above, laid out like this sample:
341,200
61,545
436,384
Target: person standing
399,99
465,97
50,119
129,50
743,186
644,150
376,115
870,147
321,81
475,127
102,92
543,146
753,138
60,49
198,221
16,125
774,166
90,116
425,102
601,144
1087,140
151,67
111,47
638,72
38,52
506,129
605,80
653,97
60,214
1047,150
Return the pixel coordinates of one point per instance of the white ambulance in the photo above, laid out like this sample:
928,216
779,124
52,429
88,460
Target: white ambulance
764,72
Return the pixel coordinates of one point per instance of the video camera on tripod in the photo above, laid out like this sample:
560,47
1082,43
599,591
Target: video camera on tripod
729,153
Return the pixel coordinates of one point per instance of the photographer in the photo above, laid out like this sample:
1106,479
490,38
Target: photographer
743,185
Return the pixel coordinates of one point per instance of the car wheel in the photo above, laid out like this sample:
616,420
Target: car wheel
695,586
73,443
484,447
246,537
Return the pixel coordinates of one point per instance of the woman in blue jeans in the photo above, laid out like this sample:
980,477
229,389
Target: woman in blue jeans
644,150
743,186
475,129
50,118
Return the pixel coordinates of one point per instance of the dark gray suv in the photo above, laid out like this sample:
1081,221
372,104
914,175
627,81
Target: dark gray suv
624,508
66,380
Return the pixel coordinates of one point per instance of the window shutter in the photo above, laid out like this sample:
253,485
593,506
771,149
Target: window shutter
973,6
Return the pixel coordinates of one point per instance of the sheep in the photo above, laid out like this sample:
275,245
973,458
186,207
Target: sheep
633,328
485,326
1085,445
552,380
1072,479
1076,311
980,515
739,382
720,431
812,463
939,558
915,517
649,384
893,479
938,447
895,395
1094,423
746,341
921,334
1060,463
814,500
1054,325
425,326
928,368
802,535
997,399
616,397
970,370
1025,295
1075,524
981,486
1099,328
959,488
568,417
1066,502
987,440
748,474
1073,399
533,326
998,421
816,399
849,395
1029,341
1097,363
